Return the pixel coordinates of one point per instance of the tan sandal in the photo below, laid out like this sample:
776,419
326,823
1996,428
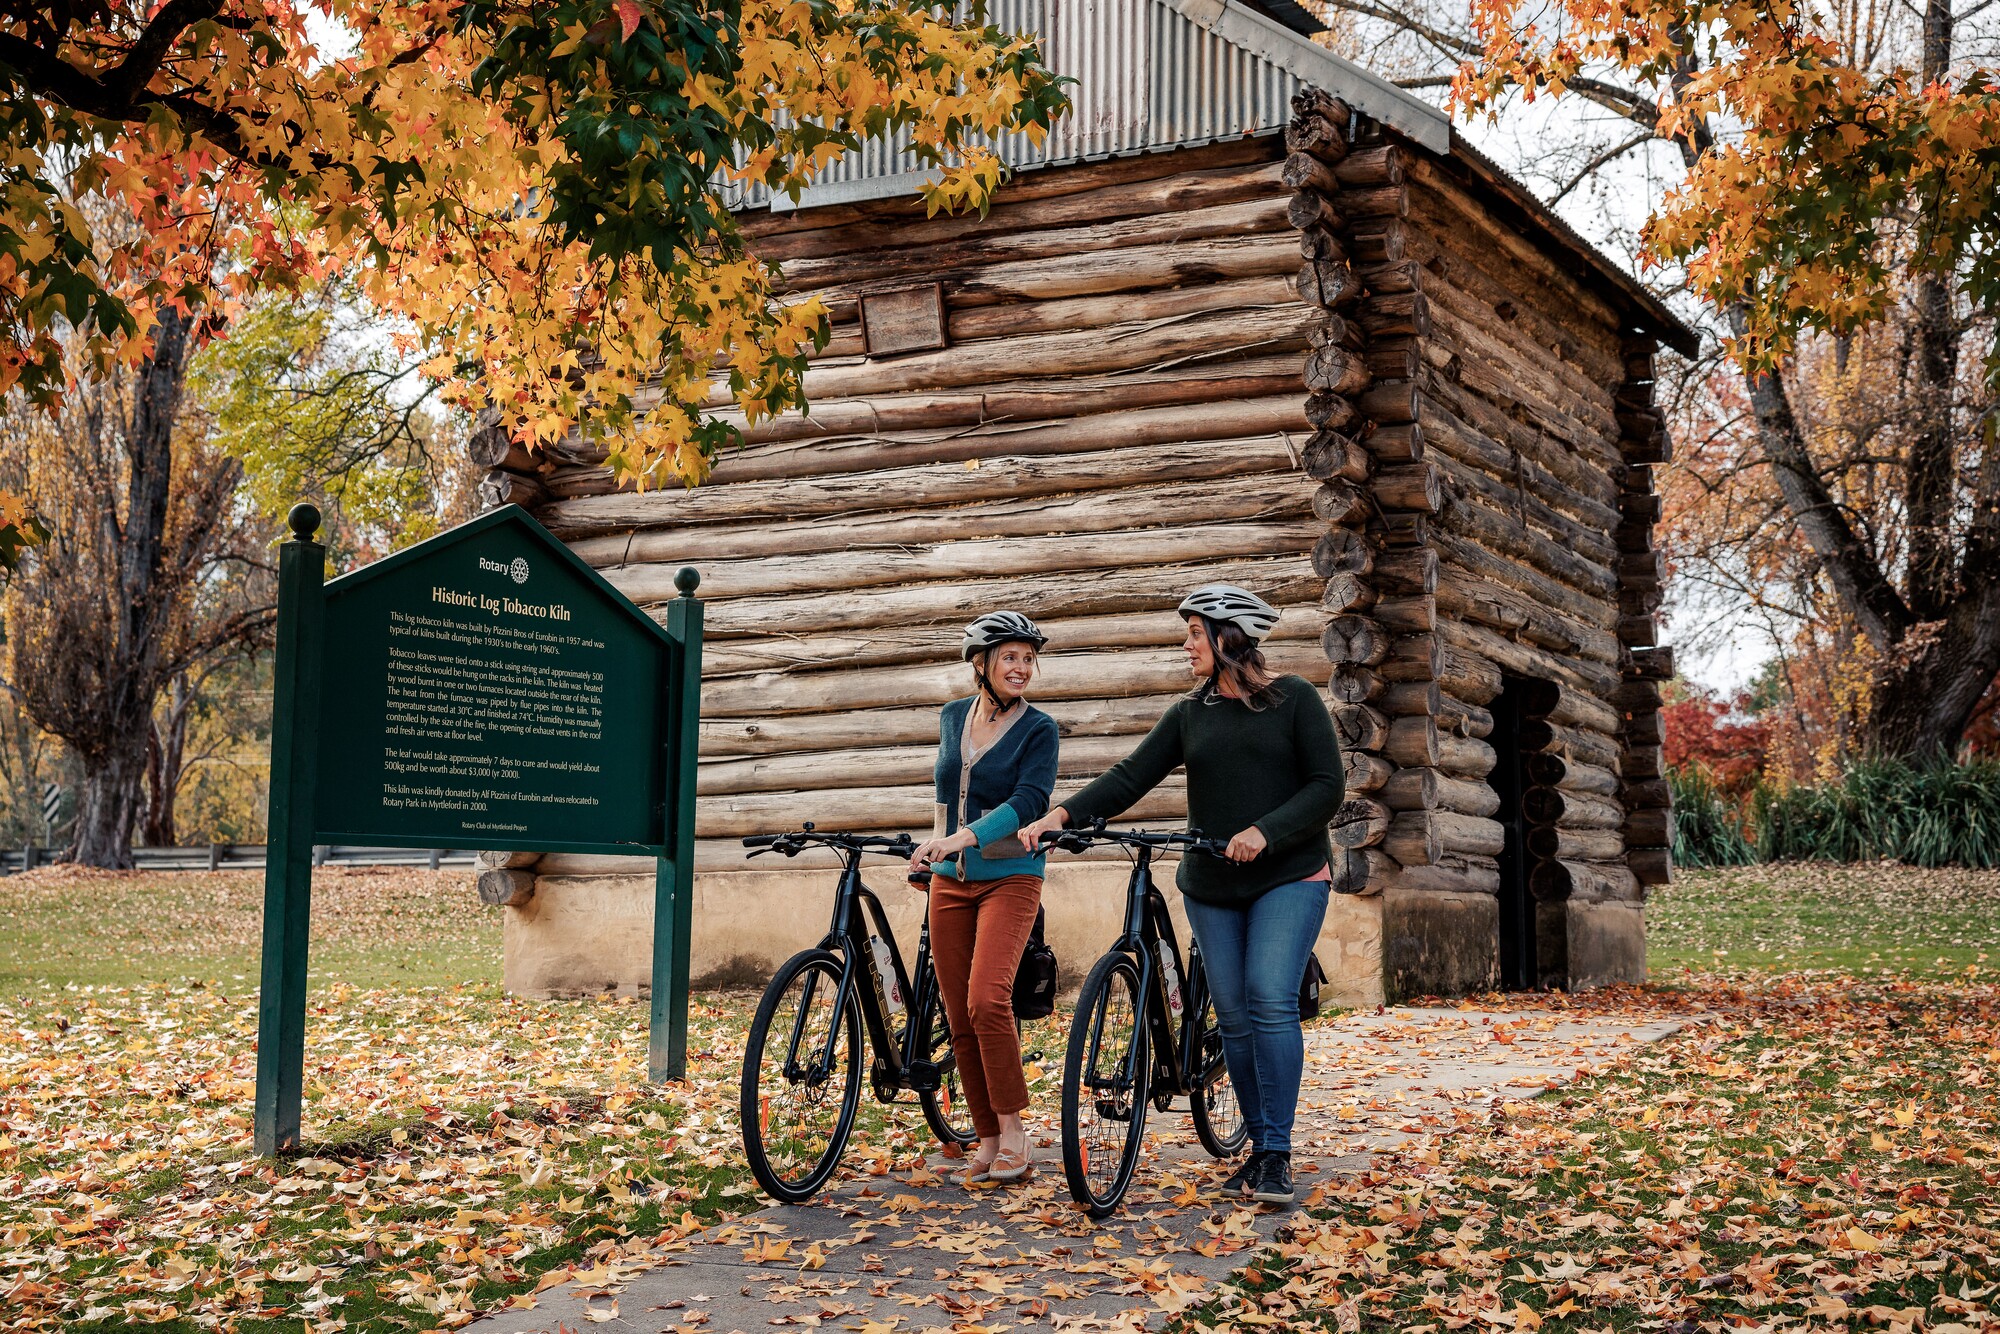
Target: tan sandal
1011,1167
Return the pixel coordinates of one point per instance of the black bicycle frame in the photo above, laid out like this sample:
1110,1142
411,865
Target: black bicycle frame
1147,924
848,936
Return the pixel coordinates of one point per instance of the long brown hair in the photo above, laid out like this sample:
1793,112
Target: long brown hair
1240,665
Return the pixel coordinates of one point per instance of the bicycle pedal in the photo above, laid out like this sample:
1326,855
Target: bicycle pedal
923,1077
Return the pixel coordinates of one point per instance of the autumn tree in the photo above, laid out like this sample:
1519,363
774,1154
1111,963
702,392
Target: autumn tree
1841,177
532,184
123,596
152,593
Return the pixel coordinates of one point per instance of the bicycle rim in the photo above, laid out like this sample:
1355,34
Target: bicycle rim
1218,1117
801,1078
1107,1072
946,1110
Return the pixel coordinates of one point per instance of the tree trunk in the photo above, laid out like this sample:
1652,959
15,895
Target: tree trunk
166,754
109,805
1930,484
1923,697
115,759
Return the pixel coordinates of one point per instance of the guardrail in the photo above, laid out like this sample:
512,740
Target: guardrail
249,857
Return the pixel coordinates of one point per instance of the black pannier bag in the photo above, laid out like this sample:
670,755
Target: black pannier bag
1309,988
1035,980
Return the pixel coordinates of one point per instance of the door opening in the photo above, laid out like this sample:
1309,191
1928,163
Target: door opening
1519,961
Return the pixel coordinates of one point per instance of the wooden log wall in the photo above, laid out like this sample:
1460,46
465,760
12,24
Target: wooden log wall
1644,442
1116,418
1410,694
1485,459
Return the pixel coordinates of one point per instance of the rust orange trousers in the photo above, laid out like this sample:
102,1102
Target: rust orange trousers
978,930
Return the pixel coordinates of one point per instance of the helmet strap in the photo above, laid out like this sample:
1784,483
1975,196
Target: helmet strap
999,710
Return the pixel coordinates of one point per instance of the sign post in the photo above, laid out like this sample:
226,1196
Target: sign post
484,688
673,886
281,998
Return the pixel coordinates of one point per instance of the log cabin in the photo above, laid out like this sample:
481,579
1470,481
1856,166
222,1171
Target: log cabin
1250,315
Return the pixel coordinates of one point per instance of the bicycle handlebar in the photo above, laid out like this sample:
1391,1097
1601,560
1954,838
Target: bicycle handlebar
793,843
1076,840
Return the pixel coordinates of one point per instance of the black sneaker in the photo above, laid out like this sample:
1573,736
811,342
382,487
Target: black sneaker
1273,1181
1236,1185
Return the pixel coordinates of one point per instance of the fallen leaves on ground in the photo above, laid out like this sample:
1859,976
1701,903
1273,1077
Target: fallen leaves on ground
459,1143
1815,1153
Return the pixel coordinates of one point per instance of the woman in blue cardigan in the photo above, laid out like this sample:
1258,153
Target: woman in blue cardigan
996,768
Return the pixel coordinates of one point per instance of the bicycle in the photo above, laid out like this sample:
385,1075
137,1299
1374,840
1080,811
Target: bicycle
798,1102
1110,1070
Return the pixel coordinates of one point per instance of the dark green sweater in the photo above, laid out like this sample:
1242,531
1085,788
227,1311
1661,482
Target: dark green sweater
1276,767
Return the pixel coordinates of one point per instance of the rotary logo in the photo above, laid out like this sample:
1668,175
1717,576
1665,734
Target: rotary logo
519,569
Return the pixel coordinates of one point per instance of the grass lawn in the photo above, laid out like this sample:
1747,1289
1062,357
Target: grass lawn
387,927
1880,920
1820,1149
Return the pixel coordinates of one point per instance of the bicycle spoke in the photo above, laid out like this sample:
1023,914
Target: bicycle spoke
1105,1102
802,1082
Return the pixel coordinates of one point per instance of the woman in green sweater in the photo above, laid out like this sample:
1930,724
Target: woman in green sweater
1263,769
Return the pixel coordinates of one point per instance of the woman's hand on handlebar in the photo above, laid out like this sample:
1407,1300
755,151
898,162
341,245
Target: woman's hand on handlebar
941,849
1246,845
1031,834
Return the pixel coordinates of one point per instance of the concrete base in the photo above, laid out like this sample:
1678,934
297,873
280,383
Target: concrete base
1436,943
593,935
1607,943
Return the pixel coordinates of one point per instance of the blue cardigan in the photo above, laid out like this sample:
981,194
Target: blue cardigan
1011,786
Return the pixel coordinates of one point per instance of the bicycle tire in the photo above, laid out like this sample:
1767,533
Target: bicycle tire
948,1100
1097,1190
1218,1120
820,967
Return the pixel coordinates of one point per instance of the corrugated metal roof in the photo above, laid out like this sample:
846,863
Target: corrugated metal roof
1161,74
1150,74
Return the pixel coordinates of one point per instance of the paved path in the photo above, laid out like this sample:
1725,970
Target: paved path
915,1251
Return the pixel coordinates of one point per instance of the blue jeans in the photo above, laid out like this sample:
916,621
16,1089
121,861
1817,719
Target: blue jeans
1255,957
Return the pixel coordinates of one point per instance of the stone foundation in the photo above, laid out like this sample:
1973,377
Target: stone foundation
593,935
1607,943
1437,943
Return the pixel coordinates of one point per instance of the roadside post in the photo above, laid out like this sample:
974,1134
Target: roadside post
484,688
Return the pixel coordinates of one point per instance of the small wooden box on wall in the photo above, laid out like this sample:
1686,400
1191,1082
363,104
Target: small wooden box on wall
907,319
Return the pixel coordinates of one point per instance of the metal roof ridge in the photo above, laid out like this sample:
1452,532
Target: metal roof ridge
1299,55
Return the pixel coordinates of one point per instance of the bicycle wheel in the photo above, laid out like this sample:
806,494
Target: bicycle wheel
801,1078
1107,1072
1218,1117
945,1109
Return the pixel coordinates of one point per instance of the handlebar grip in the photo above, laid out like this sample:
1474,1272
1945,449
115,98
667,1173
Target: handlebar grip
761,840
921,879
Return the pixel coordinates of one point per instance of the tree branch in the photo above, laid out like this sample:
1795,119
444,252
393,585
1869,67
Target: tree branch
131,76
1462,47
1857,576
1611,154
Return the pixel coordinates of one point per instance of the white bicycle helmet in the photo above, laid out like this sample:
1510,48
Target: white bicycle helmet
1000,627
1231,605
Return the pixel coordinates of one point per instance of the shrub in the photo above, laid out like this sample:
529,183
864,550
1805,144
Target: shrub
1923,814
1708,822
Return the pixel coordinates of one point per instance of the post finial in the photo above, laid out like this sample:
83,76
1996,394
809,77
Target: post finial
304,521
687,579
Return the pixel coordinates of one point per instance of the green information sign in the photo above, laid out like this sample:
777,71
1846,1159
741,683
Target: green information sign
483,689
490,686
